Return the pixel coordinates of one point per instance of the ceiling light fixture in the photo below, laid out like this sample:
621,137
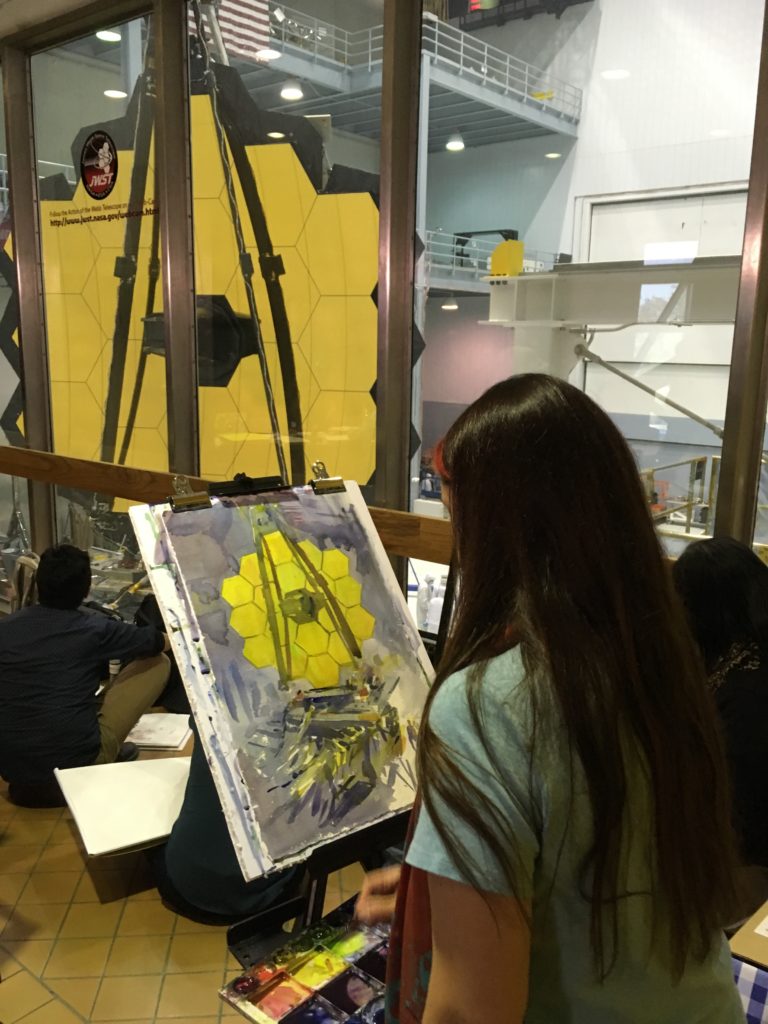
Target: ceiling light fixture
615,74
455,144
276,135
292,90
268,53
115,94
450,304
553,156
109,35
279,15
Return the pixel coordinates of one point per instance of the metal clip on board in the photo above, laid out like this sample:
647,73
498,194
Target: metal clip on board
323,483
184,499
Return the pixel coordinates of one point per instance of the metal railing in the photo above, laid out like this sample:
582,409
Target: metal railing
448,46
469,259
493,68
44,169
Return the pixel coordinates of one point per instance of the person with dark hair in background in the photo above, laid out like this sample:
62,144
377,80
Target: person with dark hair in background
573,857
724,587
53,657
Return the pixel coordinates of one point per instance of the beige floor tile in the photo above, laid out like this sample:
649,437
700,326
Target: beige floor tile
15,859
101,887
60,857
8,965
53,1013
122,998
39,813
25,830
50,887
79,993
185,995
31,953
186,927
91,920
138,954
34,921
147,917
20,995
197,953
11,887
65,832
78,958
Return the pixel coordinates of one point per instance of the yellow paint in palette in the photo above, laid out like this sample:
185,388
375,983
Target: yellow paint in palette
353,944
322,968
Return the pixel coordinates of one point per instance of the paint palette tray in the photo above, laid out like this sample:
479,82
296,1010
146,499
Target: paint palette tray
332,972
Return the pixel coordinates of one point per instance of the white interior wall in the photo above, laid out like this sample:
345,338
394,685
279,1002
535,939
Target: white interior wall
693,70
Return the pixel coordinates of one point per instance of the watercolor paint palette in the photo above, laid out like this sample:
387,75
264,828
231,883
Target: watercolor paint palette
333,972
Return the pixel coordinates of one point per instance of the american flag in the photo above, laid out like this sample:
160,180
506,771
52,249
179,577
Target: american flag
244,25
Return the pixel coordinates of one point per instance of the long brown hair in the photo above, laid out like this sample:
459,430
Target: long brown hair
556,548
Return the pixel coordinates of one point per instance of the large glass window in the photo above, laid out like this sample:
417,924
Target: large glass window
596,161
285,126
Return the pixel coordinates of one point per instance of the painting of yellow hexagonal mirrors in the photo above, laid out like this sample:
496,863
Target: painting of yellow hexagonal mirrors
305,672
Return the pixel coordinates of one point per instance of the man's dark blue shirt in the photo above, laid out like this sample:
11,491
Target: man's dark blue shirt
51,664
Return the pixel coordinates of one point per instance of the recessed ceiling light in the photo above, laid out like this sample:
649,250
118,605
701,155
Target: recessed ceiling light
455,145
292,90
268,53
720,133
276,135
109,35
553,156
615,74
450,304
115,94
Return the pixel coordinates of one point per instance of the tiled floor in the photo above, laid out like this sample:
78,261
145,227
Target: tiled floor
92,942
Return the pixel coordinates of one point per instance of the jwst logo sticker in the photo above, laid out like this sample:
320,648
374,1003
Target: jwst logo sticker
98,165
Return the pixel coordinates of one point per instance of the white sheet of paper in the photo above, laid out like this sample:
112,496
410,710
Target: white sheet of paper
762,928
161,731
119,806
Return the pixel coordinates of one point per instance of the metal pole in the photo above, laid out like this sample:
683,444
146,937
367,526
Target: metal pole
748,384
421,283
174,181
399,136
22,173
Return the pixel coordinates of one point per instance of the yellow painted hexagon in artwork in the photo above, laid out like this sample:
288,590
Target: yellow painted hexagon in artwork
312,552
312,638
361,623
260,651
249,570
258,598
278,548
248,620
335,564
299,659
341,239
290,577
287,193
339,342
338,650
348,591
237,591
322,670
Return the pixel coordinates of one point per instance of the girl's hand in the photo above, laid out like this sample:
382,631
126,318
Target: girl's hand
376,903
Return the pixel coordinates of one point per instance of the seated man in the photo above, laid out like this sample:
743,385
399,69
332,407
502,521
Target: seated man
53,657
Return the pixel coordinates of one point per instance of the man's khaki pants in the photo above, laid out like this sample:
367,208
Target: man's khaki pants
133,692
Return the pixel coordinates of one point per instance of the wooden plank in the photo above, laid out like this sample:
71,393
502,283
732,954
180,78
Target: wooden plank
401,532
144,485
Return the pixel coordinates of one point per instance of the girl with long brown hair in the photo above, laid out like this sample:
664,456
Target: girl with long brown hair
572,858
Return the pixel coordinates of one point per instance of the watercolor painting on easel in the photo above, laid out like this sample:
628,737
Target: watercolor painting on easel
305,672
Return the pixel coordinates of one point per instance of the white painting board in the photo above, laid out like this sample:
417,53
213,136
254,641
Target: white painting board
121,806
160,731
303,667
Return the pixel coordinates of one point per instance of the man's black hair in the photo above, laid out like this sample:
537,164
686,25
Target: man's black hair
63,577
